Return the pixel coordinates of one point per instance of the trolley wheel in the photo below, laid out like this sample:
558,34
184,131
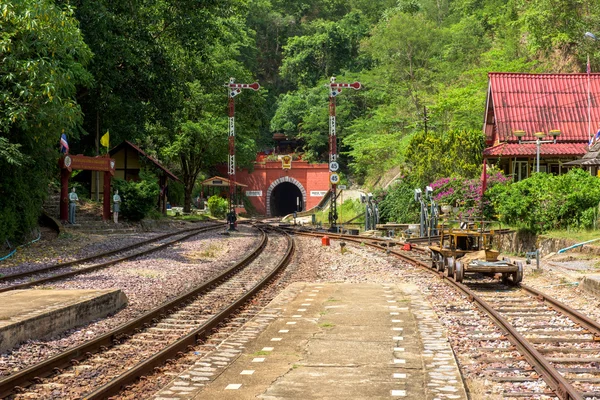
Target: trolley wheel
505,276
433,258
517,276
442,264
459,271
449,272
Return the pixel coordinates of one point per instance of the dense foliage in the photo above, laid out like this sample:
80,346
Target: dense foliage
42,59
545,201
137,198
153,72
217,206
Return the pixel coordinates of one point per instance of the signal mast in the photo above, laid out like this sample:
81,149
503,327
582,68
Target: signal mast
234,89
334,178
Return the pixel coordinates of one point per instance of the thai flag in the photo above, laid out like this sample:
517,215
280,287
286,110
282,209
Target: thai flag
594,138
64,145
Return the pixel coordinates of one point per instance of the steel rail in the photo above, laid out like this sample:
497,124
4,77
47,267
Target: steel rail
583,320
27,376
99,255
146,367
551,376
107,263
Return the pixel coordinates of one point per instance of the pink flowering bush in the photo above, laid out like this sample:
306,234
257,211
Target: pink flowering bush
466,193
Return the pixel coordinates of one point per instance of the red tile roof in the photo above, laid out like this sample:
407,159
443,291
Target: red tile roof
529,150
542,102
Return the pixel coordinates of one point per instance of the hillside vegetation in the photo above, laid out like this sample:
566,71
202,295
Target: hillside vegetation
152,72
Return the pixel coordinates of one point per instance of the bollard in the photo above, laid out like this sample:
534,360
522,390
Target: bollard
325,241
342,247
406,247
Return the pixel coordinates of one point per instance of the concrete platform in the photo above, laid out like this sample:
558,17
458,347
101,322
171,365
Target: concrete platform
38,314
331,341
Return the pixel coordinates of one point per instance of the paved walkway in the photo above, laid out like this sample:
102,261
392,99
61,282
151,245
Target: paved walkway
331,341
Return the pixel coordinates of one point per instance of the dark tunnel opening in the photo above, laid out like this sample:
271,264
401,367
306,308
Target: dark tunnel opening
283,199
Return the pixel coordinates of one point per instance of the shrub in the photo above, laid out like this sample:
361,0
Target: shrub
217,206
466,194
544,202
137,198
397,204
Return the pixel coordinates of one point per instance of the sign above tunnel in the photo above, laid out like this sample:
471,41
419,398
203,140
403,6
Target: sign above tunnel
286,162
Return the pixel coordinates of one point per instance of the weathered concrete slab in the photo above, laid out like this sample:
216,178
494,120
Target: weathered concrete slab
591,283
331,341
38,314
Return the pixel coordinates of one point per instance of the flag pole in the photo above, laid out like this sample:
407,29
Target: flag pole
589,100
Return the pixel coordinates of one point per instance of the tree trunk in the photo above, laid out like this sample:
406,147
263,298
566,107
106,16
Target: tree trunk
189,186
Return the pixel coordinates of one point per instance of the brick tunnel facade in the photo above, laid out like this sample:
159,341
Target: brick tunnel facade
274,191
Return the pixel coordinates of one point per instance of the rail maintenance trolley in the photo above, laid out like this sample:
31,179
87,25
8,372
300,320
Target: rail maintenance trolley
456,243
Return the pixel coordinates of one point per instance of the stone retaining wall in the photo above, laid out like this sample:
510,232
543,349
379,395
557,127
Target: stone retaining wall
520,243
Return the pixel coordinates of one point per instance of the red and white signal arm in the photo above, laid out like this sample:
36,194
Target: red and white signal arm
334,178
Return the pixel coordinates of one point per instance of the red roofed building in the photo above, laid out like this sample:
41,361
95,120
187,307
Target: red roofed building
539,103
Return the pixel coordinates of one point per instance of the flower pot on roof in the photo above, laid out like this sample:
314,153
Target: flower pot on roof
446,208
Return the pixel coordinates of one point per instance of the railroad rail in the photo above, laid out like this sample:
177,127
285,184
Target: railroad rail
139,331
185,234
565,388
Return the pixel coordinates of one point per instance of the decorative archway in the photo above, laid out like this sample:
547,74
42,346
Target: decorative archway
281,180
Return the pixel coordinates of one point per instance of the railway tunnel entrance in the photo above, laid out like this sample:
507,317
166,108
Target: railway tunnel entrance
286,198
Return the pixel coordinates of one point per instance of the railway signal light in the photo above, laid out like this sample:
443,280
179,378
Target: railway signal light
234,89
335,88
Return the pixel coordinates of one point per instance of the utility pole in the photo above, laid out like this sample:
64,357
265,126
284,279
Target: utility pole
234,89
334,178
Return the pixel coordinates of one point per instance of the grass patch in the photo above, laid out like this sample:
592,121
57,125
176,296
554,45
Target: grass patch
261,353
536,273
579,236
210,252
326,325
331,299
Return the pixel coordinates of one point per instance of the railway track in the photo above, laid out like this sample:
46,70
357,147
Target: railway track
561,344
100,368
57,271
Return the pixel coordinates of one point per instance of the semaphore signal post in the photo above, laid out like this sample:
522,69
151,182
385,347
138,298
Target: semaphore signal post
234,89
335,89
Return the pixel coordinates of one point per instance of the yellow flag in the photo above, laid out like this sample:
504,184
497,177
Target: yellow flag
105,139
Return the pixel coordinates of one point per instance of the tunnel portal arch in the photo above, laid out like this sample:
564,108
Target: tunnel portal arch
273,207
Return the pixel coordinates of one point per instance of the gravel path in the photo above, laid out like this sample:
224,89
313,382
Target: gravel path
147,281
315,263
72,246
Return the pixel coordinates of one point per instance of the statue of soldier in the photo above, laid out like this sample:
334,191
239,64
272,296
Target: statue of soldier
116,206
73,199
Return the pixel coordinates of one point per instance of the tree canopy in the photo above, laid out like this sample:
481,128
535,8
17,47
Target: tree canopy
152,72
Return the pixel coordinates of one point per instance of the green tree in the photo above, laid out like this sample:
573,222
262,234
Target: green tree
43,61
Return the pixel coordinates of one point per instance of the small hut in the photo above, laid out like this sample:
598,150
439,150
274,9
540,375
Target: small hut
128,163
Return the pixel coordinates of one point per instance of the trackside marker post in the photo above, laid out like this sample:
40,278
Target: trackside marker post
234,89
335,88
